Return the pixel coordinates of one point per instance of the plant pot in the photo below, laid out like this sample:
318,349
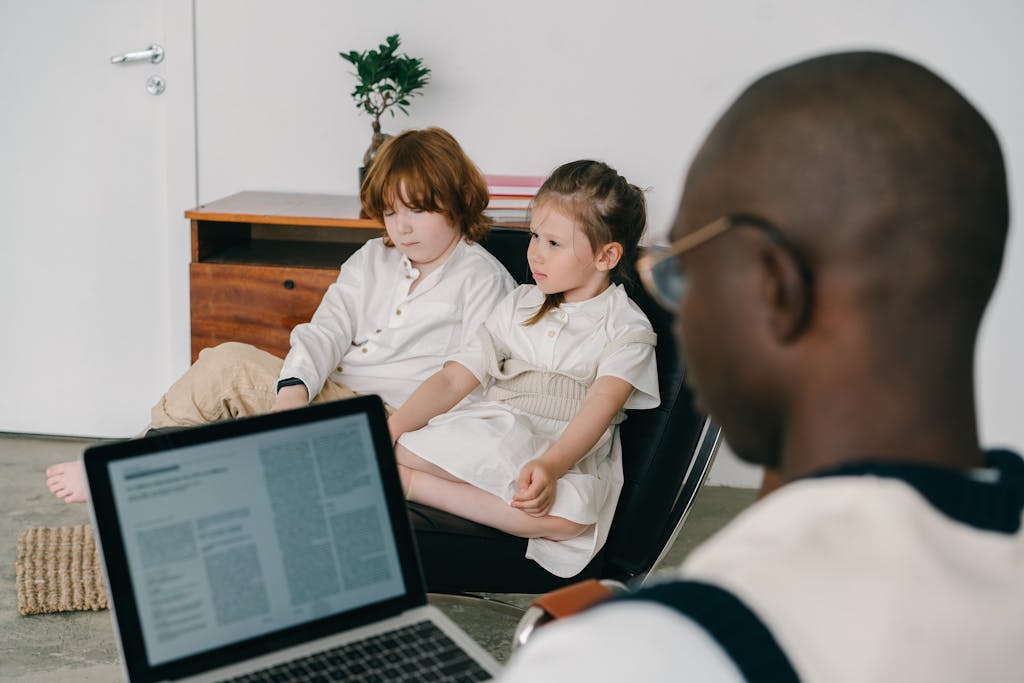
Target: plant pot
371,154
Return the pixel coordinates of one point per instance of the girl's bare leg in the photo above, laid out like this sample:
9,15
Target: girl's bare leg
409,459
466,500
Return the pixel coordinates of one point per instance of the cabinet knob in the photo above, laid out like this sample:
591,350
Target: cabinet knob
289,284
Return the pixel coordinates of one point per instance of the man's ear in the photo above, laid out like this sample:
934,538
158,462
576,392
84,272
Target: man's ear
786,293
608,256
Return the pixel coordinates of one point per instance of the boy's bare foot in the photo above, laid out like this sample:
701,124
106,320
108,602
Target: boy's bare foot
67,481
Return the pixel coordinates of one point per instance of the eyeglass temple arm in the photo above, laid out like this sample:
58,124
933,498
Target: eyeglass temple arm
688,242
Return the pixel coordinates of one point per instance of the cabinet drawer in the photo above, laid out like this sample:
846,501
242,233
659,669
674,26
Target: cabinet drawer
258,305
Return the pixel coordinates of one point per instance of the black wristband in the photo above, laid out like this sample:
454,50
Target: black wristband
290,382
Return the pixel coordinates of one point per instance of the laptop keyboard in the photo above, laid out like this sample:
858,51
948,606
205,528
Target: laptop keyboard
418,652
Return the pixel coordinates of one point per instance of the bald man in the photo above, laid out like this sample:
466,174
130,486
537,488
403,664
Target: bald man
840,233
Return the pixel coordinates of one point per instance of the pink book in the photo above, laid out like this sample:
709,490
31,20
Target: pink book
514,186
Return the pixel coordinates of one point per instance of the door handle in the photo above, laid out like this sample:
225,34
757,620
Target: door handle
153,54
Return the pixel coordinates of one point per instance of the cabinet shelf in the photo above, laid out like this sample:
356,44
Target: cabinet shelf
285,253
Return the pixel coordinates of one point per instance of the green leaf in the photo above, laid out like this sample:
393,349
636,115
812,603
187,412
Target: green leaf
386,78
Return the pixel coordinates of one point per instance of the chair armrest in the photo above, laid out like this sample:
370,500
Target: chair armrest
564,602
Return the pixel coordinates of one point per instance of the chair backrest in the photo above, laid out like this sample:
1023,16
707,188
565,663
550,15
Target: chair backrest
508,245
666,454
666,451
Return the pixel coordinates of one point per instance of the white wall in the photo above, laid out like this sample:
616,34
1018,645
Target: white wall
524,87
529,85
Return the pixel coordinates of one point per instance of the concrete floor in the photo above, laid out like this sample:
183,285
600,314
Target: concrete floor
80,646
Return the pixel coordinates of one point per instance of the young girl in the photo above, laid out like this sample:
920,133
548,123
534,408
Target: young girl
402,304
539,457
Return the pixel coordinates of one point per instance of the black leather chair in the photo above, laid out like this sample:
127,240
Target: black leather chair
509,245
667,452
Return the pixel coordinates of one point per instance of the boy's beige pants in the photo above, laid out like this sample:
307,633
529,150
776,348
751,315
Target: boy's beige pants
226,381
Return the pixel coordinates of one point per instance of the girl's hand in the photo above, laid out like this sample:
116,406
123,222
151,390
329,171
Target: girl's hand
536,490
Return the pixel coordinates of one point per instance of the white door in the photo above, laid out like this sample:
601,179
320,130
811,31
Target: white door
95,174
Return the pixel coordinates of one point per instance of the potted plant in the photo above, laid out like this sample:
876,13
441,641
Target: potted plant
386,80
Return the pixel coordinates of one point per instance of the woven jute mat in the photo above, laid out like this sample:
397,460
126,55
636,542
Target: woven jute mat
57,569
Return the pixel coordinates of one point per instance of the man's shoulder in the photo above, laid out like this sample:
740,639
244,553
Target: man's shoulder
818,533
792,517
804,556
624,640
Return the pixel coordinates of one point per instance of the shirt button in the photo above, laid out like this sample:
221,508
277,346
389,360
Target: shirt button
551,333
364,349
398,311
408,277
377,331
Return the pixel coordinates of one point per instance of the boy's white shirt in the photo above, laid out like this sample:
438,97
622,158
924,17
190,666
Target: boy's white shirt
370,334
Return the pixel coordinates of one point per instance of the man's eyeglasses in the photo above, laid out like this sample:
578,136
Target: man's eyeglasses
665,280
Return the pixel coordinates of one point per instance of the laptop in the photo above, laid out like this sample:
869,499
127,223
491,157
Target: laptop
275,547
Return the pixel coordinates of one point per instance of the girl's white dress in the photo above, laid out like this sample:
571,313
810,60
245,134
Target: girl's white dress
487,442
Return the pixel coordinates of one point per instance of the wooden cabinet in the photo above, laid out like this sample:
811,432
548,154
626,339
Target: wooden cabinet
261,262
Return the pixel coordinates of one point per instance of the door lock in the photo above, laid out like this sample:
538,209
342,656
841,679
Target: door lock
156,85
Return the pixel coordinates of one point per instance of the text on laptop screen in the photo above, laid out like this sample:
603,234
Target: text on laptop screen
236,538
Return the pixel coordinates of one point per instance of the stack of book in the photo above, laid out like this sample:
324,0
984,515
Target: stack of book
511,198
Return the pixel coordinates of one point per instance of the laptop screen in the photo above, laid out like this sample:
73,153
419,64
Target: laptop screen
227,539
